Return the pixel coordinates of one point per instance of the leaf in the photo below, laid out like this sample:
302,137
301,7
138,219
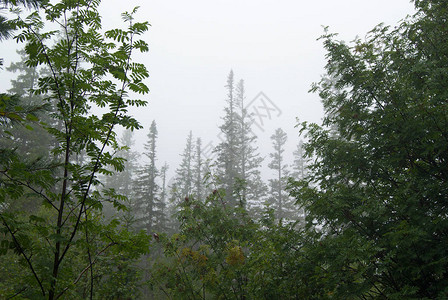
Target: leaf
31,117
29,127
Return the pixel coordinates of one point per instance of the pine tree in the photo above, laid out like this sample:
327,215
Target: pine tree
146,187
123,181
279,197
162,220
238,163
33,140
198,171
249,161
227,160
300,162
184,181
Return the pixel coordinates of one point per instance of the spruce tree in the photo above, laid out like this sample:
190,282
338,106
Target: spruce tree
248,159
123,181
300,162
184,181
238,163
162,221
198,171
279,197
227,160
146,187
33,140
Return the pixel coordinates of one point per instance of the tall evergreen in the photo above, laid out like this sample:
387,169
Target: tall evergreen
162,220
238,163
198,171
26,80
146,187
33,140
300,162
184,181
279,198
227,159
248,159
123,181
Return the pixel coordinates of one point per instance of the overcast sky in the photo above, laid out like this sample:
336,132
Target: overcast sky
270,44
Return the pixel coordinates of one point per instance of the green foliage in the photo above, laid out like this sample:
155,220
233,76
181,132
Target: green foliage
238,162
7,26
206,255
148,207
376,195
221,253
64,246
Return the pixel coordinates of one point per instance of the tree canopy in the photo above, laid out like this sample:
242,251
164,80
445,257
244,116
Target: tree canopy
376,194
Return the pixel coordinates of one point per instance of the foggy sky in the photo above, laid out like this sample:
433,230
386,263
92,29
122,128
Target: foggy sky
270,44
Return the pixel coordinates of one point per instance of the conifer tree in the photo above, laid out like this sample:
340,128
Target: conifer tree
198,171
300,162
162,220
238,163
163,173
227,160
184,181
146,187
248,159
123,181
33,141
279,197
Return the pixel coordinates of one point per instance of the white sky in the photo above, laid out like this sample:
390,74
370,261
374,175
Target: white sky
270,44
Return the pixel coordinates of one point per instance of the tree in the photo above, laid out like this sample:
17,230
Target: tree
227,160
27,139
279,197
376,194
163,216
8,26
238,163
300,162
184,179
215,255
122,182
60,244
27,79
249,161
199,171
146,187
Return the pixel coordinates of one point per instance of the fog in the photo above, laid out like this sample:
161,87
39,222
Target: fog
272,45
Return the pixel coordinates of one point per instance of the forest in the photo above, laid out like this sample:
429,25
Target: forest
360,213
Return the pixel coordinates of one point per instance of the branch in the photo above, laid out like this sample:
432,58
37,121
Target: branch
18,293
30,187
87,268
22,252
98,158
